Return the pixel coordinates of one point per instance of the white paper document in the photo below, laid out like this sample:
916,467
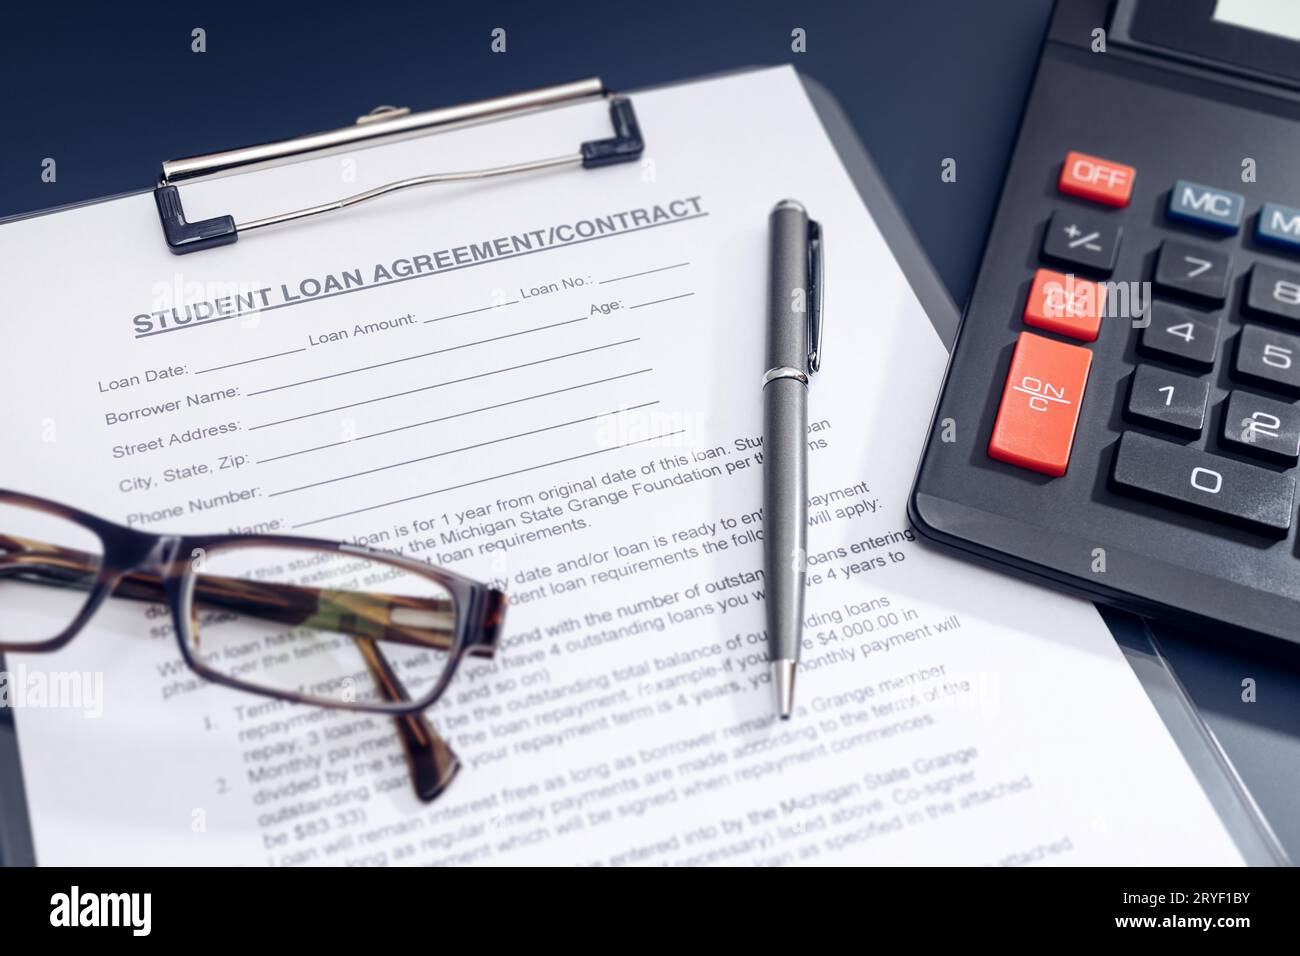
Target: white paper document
552,382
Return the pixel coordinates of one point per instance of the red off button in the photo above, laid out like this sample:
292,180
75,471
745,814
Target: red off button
1097,179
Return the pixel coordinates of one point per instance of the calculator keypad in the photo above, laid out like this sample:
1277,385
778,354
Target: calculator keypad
1179,492
1181,327
1193,272
1181,336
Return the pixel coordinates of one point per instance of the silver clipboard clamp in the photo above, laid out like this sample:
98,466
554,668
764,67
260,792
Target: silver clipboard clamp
385,124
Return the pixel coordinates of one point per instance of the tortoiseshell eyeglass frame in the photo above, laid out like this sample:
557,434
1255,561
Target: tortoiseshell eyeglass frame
160,568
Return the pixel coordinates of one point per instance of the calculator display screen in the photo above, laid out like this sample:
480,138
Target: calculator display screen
1256,38
1279,17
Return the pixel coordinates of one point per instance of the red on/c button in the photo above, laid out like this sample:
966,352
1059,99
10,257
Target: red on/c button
1091,177
1040,404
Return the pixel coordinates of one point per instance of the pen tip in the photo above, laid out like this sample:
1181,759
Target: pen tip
783,680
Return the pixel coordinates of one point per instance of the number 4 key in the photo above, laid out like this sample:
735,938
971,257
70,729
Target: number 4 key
1181,336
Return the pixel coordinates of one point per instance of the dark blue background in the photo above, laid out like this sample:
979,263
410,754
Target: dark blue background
110,94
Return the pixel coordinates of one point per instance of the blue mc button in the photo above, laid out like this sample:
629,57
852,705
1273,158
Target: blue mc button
1205,206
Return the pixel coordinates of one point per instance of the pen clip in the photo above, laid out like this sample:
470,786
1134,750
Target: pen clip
815,283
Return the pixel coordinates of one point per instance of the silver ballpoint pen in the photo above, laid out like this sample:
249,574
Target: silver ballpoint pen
793,354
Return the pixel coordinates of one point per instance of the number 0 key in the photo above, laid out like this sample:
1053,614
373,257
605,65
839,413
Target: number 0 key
1221,487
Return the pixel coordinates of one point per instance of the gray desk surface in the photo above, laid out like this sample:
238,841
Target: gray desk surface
109,94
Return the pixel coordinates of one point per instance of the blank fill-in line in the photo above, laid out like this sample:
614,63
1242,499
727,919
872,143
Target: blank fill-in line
507,474
454,381
648,272
411,358
671,298
447,418
453,451
260,358
457,315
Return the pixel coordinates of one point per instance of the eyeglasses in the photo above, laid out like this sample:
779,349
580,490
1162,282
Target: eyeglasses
298,619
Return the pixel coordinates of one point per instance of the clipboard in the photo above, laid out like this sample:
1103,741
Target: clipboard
385,124
1213,768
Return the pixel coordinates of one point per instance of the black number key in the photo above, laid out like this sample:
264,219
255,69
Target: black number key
1167,400
1262,427
1191,479
1274,293
1268,358
1181,336
1075,240
1193,271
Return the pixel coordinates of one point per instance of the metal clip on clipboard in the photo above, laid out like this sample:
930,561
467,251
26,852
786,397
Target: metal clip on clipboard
385,124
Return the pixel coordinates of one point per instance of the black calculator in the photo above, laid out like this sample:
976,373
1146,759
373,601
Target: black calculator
1119,416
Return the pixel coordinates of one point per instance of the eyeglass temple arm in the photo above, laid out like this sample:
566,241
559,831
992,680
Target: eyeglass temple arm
432,762
419,622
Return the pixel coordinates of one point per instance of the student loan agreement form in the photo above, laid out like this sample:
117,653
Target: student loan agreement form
551,382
